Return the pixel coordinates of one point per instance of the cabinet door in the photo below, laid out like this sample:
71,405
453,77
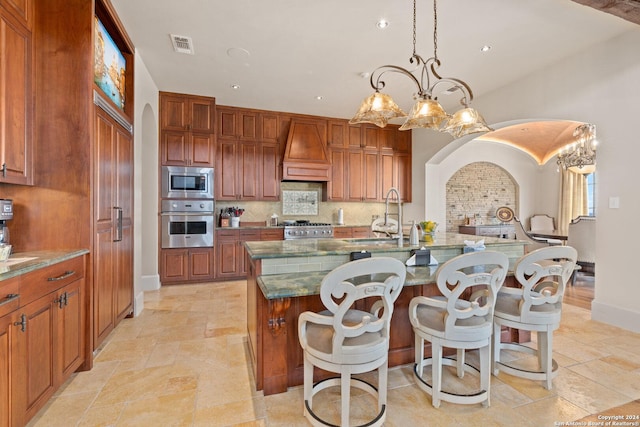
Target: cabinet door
269,126
16,128
201,264
227,261
174,112
174,265
174,148
370,179
70,326
342,232
269,182
227,124
123,287
403,168
227,170
338,134
201,114
370,137
338,184
104,218
248,168
355,165
388,175
202,150
7,331
35,384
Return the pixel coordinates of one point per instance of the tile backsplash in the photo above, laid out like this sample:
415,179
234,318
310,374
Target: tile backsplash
354,213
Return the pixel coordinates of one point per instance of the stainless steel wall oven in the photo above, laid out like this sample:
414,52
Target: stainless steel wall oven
187,223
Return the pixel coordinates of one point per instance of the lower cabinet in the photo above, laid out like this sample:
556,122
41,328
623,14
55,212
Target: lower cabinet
187,265
43,341
230,252
351,232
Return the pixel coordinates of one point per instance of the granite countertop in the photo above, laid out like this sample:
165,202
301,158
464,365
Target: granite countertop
25,262
318,247
289,285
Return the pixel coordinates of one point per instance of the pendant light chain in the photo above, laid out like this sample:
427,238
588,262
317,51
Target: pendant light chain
435,30
414,28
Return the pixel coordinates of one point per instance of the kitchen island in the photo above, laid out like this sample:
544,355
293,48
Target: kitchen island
284,280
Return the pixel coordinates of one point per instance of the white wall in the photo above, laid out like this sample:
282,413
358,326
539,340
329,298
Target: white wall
145,258
599,86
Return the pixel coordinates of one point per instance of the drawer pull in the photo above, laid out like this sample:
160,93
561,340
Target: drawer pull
9,298
62,276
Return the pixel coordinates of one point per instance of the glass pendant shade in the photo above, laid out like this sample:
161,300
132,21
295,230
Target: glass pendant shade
377,109
466,121
427,114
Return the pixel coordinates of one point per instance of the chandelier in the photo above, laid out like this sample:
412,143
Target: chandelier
427,112
580,156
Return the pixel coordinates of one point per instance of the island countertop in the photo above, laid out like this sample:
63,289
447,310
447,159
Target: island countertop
322,247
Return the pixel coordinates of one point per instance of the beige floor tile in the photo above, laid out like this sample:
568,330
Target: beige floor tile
184,361
166,410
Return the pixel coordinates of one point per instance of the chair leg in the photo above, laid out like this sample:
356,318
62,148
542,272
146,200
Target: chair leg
419,350
545,345
460,365
495,348
345,390
485,366
308,383
382,385
436,374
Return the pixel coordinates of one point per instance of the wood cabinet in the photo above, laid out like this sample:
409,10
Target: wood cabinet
113,216
366,161
351,232
230,251
248,159
187,130
16,96
187,265
42,342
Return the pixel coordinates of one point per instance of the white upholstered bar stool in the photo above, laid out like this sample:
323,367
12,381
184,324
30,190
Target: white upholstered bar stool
457,320
535,306
346,340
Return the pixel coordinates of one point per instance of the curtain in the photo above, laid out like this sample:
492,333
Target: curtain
573,198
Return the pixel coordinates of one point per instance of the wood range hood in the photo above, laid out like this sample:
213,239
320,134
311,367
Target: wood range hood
306,157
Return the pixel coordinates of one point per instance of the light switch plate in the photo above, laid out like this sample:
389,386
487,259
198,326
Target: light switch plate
614,202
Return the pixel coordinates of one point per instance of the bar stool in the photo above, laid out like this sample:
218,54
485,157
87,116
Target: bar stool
535,306
458,321
346,340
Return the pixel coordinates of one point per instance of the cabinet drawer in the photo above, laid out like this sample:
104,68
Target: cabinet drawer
51,278
9,295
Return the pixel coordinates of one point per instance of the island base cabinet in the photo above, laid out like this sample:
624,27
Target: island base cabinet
273,333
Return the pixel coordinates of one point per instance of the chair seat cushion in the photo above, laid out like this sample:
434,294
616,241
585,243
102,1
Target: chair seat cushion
320,338
432,320
508,307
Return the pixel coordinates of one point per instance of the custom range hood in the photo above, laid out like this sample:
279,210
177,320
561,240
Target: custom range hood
306,157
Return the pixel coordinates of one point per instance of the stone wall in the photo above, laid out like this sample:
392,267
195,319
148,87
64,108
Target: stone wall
475,191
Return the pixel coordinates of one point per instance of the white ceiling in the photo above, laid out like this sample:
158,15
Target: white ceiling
301,49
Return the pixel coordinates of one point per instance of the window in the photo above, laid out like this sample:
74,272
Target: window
591,194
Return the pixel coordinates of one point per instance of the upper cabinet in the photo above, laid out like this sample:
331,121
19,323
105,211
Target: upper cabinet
16,96
187,130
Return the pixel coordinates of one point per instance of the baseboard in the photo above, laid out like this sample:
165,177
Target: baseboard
147,283
614,315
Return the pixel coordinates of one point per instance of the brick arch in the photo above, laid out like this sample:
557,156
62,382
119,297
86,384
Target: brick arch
478,188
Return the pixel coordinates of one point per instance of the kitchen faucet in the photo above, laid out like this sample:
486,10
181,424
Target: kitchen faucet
386,212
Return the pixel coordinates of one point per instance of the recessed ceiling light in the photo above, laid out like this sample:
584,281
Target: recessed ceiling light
485,48
319,98
382,24
235,87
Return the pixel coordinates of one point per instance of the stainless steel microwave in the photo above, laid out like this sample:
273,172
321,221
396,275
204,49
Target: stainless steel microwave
180,182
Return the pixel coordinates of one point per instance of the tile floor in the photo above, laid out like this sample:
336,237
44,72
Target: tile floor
183,362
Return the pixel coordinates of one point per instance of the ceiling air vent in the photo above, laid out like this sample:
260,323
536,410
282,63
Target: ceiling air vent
182,44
